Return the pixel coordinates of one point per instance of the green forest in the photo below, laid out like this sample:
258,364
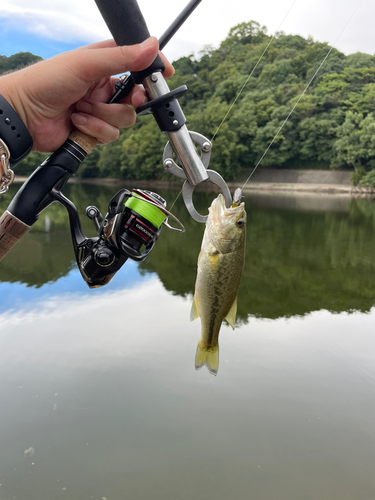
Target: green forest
333,126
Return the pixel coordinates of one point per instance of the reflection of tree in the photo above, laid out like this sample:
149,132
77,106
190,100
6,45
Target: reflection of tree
296,261
38,258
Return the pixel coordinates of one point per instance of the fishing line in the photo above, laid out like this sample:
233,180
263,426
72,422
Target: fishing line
252,72
303,93
244,85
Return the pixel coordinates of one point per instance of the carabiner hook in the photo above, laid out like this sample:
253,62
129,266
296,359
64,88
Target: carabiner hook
187,195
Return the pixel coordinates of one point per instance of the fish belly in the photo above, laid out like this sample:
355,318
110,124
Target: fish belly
216,290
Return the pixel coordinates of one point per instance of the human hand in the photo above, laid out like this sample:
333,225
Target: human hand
74,87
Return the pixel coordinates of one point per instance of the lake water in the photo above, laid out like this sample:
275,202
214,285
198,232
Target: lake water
98,387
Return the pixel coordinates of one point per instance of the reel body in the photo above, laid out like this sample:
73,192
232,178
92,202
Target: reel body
129,230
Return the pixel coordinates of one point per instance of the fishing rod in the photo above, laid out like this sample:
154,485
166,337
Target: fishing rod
135,218
125,84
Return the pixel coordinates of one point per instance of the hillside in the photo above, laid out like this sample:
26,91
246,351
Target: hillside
332,127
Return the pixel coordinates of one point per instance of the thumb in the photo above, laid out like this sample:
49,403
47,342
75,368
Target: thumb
95,63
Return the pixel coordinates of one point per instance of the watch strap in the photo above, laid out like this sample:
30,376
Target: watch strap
14,133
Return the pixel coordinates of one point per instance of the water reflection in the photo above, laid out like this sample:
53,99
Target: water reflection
304,253
101,383
108,398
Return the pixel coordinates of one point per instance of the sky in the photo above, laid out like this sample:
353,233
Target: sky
46,28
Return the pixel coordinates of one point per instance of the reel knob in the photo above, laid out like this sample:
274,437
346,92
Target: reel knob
104,257
93,213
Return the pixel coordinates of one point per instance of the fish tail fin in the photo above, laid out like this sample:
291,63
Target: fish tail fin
208,356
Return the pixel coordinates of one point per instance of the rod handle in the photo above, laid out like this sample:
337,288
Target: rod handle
128,27
11,230
86,142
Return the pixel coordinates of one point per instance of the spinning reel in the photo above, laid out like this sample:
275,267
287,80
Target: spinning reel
129,230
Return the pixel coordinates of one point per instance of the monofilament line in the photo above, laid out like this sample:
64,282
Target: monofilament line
252,72
303,93
244,85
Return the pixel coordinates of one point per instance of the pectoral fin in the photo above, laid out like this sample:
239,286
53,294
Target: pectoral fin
199,258
194,314
231,316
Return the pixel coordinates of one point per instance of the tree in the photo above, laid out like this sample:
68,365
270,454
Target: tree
17,61
244,33
355,145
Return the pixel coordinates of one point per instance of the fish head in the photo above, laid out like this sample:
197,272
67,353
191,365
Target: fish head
226,226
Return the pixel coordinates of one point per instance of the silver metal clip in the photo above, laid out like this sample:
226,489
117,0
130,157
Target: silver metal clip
188,188
6,174
237,197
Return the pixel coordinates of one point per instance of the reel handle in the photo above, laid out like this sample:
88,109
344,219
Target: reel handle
128,27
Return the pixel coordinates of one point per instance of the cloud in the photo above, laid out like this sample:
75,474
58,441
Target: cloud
60,21
80,22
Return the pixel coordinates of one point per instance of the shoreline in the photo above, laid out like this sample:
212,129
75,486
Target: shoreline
261,187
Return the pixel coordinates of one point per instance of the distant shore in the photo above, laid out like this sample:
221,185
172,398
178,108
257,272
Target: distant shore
264,180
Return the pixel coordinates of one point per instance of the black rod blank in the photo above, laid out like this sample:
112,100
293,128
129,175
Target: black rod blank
177,23
125,88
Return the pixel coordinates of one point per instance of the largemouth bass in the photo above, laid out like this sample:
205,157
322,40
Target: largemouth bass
220,266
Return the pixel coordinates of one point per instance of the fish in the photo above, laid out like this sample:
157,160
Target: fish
220,266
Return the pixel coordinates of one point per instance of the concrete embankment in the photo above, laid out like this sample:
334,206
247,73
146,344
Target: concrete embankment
283,176
323,181
263,180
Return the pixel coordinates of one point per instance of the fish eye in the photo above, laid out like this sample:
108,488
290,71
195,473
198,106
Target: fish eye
240,223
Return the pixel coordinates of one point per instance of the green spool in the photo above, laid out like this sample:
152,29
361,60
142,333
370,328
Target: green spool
146,210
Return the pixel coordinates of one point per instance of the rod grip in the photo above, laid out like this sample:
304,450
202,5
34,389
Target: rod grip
11,230
128,27
86,142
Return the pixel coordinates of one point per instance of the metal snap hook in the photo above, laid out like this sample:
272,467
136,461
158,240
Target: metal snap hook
188,189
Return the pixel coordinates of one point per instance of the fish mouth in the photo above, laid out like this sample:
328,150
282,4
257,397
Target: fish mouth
221,230
223,211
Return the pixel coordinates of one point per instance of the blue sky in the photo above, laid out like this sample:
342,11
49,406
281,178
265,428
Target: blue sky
13,41
47,28
20,295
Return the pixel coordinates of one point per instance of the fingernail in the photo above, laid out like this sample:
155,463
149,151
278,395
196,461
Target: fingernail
79,119
84,106
148,43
